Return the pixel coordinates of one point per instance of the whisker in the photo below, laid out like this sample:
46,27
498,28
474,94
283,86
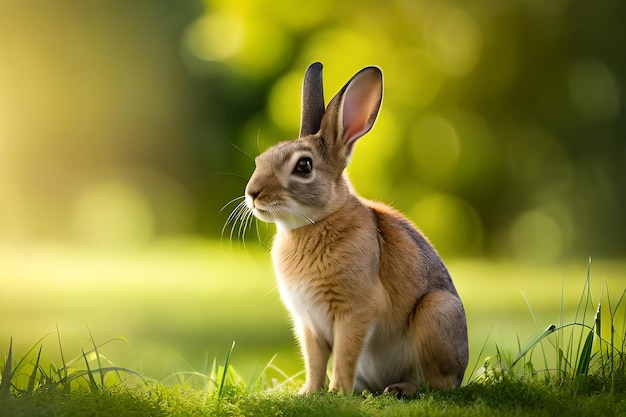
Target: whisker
287,210
232,174
258,143
242,151
302,215
241,232
233,217
250,220
241,197
240,210
258,233
233,214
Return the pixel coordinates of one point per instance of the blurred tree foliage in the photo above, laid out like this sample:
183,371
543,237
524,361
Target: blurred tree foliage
501,133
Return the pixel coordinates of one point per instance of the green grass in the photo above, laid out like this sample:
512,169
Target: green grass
176,304
72,392
552,339
159,400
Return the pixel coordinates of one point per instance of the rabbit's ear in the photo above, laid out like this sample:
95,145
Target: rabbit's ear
312,100
358,104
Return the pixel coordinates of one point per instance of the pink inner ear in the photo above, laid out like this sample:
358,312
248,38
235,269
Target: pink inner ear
360,105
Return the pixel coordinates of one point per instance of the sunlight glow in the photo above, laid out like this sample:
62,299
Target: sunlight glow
435,144
215,37
454,39
283,102
450,222
111,214
417,78
536,237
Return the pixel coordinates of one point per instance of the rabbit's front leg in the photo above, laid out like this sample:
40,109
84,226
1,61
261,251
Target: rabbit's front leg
349,339
316,353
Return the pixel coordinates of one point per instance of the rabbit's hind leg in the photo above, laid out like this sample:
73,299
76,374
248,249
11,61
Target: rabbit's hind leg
439,331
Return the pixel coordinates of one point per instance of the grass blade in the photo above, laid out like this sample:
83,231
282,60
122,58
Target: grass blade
585,355
598,320
480,355
225,373
5,384
95,349
33,376
63,368
258,374
530,345
92,381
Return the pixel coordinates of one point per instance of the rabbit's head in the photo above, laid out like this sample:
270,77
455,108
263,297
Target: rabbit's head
300,182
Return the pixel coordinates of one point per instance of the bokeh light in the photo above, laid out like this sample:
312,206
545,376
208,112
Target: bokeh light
112,213
215,37
453,39
536,237
450,222
594,90
435,145
504,108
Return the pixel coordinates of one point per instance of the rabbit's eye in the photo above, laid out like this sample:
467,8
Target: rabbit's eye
303,166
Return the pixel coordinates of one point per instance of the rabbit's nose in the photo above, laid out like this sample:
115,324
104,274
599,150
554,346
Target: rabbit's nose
251,196
253,193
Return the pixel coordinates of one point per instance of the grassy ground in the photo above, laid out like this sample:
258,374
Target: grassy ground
179,303
501,400
180,306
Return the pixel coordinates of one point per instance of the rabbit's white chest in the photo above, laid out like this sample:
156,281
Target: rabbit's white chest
307,309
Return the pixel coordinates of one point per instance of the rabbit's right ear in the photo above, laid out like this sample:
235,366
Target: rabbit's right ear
352,112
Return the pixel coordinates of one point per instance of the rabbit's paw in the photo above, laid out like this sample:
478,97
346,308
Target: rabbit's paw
401,389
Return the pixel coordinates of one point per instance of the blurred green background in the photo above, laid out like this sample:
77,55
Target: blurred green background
130,124
502,130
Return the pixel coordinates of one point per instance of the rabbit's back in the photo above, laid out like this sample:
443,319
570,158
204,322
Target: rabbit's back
409,265
426,318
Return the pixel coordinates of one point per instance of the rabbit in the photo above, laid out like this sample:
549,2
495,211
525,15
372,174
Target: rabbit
360,281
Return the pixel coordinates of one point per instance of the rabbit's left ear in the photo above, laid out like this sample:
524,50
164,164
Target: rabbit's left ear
357,104
312,100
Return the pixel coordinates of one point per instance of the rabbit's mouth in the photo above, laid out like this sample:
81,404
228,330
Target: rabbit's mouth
283,215
263,214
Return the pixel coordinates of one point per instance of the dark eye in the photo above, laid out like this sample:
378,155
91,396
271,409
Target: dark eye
303,166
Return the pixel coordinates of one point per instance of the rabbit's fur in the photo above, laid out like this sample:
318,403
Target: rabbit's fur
358,278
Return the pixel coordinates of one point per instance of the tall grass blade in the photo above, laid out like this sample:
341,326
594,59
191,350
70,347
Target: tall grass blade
480,355
532,312
95,349
220,391
585,356
586,295
258,374
64,380
598,320
213,373
559,335
563,364
92,381
33,376
530,345
5,384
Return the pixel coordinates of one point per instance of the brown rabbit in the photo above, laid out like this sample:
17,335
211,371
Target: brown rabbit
358,278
